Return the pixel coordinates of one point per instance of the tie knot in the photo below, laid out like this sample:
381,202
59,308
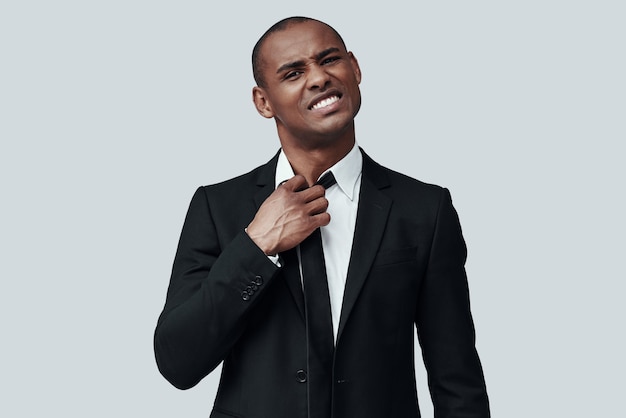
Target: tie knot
327,180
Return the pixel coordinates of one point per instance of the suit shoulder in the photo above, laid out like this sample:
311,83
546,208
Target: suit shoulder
399,183
408,181
260,175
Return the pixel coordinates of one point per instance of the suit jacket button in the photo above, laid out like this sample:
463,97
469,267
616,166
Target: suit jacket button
245,295
258,280
301,376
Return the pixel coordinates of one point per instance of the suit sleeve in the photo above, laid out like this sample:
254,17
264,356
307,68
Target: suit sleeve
212,289
444,324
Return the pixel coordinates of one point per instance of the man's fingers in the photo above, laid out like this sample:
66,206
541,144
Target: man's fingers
321,219
317,206
297,182
312,193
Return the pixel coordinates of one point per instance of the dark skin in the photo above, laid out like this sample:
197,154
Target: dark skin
312,92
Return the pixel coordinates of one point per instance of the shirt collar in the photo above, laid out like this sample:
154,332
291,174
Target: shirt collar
347,171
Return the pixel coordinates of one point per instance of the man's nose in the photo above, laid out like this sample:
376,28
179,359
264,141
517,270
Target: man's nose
318,77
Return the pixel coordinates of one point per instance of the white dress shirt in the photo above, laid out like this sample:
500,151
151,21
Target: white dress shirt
337,236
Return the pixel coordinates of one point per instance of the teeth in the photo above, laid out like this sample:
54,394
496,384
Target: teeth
326,102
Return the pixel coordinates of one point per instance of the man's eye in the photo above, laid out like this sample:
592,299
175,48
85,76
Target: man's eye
293,74
330,60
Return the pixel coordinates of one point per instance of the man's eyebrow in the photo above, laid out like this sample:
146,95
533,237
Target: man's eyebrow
325,52
290,65
297,64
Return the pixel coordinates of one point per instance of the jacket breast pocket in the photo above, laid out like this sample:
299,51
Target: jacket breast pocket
395,256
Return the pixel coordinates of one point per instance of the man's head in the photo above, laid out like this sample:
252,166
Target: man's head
307,81
257,70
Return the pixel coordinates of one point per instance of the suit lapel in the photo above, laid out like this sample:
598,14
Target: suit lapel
371,219
265,182
291,272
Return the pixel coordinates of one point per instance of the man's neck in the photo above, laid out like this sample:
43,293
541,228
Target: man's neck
311,157
312,162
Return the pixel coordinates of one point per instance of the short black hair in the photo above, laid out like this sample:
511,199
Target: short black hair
276,27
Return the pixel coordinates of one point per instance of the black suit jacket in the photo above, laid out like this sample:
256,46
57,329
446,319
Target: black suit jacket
228,302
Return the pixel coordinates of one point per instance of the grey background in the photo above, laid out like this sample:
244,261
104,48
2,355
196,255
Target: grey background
112,113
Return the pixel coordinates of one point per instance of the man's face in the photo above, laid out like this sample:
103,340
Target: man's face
312,83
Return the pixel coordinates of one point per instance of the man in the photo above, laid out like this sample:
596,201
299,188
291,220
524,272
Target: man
294,344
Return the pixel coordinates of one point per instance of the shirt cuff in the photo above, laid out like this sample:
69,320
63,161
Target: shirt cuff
275,259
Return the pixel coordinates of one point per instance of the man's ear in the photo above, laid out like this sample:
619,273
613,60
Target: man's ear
355,67
263,105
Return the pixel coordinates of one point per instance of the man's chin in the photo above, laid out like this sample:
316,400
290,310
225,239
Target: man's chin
334,125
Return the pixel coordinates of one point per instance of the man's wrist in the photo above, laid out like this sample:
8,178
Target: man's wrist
274,258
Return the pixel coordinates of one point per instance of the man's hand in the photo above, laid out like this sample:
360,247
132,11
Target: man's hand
289,215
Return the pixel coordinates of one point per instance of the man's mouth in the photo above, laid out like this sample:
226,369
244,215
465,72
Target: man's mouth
327,101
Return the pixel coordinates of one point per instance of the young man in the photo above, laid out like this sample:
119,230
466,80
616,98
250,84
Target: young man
335,341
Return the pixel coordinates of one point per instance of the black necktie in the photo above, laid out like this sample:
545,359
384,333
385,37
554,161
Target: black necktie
319,325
